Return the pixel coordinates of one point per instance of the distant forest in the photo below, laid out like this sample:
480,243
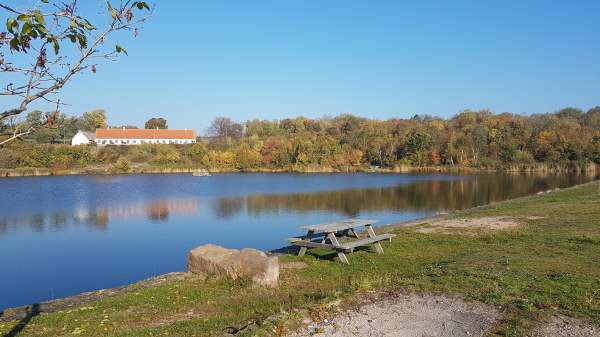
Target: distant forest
473,139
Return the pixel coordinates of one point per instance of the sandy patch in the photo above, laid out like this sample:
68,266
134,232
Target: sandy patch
468,226
410,316
562,326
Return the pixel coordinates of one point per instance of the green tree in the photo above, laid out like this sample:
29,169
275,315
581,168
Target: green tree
418,141
95,119
34,118
156,123
570,113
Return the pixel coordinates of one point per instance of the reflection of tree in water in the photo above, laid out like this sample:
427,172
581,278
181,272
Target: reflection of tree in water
58,221
37,222
227,207
98,218
431,195
158,211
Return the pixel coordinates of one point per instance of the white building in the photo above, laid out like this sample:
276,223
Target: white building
83,138
144,136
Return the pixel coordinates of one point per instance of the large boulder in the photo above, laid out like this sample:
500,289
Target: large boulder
222,262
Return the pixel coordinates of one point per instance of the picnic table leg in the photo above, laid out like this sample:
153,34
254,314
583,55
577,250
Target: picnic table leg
341,254
303,249
372,234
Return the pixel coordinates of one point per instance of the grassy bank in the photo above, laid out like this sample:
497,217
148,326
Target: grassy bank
161,169
545,266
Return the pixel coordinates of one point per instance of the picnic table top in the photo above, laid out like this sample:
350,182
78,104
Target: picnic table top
338,225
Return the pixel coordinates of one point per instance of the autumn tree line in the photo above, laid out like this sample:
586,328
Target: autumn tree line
473,139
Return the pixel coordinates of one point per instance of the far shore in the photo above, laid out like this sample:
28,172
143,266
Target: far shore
147,169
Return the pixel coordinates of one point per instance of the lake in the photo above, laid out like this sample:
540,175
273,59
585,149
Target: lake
60,236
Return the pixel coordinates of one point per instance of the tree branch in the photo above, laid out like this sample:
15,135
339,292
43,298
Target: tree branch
17,135
10,9
40,79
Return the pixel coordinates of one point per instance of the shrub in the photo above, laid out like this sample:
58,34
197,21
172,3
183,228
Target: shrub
166,157
39,156
140,154
106,155
63,161
80,155
223,160
9,158
247,158
122,165
487,162
198,152
523,157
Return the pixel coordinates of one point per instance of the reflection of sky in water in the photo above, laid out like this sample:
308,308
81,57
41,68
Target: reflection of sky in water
64,235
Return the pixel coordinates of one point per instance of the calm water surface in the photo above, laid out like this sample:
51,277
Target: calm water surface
64,235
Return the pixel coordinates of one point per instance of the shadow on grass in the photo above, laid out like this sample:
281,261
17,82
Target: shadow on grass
317,253
287,250
32,311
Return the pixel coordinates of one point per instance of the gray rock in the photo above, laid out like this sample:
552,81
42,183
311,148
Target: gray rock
222,262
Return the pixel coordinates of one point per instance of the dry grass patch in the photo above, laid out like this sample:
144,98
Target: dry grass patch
469,226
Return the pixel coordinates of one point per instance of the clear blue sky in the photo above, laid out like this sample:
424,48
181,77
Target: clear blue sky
196,60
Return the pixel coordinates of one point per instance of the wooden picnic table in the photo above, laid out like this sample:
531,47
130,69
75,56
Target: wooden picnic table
327,235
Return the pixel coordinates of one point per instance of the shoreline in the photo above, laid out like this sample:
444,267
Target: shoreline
467,261
144,169
81,299
84,298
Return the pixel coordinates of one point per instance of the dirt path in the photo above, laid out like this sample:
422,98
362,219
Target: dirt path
410,316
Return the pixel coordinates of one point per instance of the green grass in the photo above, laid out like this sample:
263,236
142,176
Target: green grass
543,267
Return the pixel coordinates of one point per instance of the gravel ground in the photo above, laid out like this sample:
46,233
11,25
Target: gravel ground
410,316
562,326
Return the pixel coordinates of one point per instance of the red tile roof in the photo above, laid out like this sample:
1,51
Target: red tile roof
144,134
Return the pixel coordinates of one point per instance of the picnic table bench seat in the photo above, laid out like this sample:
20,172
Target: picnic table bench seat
369,240
327,232
345,246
